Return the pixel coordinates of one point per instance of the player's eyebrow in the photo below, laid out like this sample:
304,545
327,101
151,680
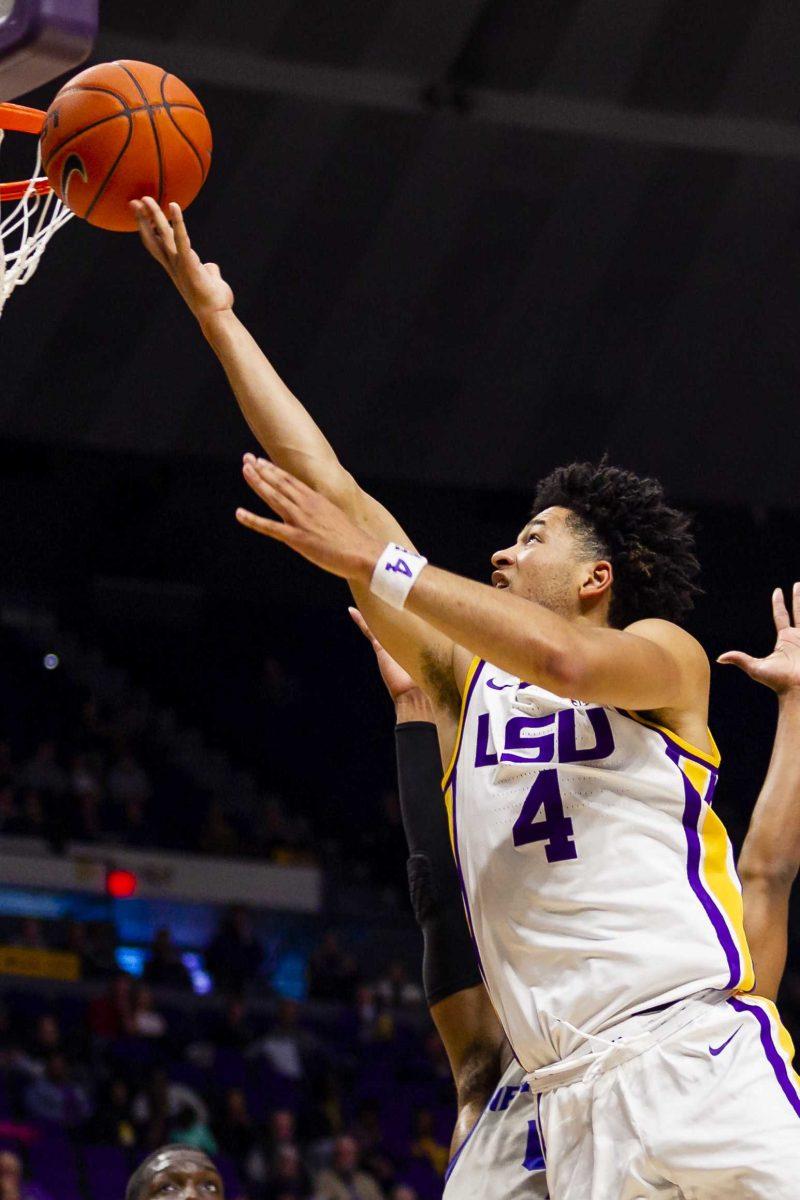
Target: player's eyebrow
532,525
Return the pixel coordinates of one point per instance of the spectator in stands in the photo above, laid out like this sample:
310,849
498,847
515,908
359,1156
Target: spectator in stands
111,1015
344,1179
146,1022
332,974
43,772
189,1129
164,967
45,1040
235,1132
128,782
289,1178
403,1191
55,1098
426,1144
113,1121
234,955
287,1047
234,1031
218,835
158,1105
12,1184
279,1135
87,791
395,988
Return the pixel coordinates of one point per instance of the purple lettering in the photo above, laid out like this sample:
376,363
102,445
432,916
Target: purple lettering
518,737
484,757
568,751
555,830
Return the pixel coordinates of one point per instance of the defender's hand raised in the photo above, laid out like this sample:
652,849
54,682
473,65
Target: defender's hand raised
200,284
781,669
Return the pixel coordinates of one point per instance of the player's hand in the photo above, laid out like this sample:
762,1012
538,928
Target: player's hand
200,284
780,670
311,524
397,679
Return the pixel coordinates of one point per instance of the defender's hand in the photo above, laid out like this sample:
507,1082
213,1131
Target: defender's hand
200,284
781,669
312,525
398,681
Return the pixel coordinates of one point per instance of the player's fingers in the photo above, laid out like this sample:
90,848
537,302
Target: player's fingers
161,225
364,627
213,269
269,493
796,604
272,529
147,234
735,658
181,234
288,485
779,610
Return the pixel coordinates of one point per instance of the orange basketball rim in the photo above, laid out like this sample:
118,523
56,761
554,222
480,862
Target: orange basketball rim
17,118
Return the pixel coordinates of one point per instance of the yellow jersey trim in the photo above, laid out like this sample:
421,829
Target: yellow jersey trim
714,758
473,667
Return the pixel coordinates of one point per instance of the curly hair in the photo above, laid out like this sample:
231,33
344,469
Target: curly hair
624,518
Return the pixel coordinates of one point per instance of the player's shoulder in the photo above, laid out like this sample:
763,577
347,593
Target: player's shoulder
678,642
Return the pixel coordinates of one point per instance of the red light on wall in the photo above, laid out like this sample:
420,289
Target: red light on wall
121,884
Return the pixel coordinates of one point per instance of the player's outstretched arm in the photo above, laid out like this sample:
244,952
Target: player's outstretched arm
293,440
276,417
770,858
459,1003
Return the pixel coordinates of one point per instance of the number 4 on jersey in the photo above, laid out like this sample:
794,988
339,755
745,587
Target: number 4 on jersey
555,830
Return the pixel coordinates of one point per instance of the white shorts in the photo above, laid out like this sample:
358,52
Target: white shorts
501,1159
709,1112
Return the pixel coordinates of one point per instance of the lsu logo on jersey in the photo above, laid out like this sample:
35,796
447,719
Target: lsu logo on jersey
571,735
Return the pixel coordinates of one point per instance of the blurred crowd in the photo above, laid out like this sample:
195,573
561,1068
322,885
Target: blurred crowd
336,1101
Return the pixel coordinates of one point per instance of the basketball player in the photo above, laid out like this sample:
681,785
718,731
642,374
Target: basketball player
610,927
496,1152
176,1173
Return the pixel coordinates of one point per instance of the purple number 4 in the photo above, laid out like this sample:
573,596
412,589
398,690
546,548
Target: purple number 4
555,830
401,567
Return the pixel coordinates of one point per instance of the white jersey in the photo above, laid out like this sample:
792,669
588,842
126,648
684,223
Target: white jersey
598,881
502,1158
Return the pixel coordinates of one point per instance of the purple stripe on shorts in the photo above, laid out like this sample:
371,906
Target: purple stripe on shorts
540,1127
691,822
771,1050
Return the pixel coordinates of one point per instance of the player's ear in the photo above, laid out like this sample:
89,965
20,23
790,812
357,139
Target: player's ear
597,581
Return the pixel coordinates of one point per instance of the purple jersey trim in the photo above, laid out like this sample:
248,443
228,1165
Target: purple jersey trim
462,724
770,1049
692,811
673,744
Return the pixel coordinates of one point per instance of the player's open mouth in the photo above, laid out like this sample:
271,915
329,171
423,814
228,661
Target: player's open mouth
499,580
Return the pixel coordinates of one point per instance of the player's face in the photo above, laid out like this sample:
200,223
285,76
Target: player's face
544,564
184,1175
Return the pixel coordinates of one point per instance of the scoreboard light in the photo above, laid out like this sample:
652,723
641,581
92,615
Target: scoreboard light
120,884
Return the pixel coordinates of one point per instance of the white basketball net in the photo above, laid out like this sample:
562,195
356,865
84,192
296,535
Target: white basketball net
26,227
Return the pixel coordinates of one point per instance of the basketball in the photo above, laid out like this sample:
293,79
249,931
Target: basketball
120,131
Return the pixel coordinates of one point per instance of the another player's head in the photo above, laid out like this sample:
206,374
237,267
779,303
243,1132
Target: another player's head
602,542
176,1173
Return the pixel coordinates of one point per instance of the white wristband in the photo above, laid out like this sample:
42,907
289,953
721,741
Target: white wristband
395,574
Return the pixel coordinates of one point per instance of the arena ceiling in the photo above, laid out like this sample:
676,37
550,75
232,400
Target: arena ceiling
477,237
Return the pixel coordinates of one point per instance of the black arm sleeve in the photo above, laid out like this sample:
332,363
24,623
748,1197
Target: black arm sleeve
449,963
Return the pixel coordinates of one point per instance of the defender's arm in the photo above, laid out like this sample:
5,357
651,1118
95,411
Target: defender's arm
770,858
458,1001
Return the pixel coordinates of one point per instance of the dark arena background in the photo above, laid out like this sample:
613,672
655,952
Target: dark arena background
479,238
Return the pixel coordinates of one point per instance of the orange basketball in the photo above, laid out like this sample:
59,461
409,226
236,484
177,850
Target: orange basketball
120,131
